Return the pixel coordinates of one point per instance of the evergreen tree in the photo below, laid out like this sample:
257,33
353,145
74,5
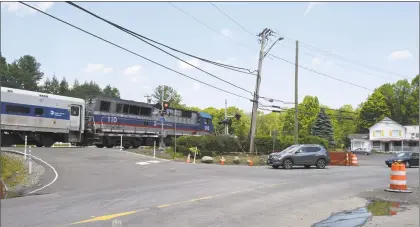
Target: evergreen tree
323,128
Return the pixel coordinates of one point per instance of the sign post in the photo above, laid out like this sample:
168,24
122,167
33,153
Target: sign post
30,160
121,145
26,144
154,149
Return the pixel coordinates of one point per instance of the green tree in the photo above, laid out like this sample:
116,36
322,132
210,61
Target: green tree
372,111
55,86
111,92
64,87
169,92
26,73
323,128
308,110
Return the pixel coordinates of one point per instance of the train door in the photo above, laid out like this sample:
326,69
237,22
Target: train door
75,118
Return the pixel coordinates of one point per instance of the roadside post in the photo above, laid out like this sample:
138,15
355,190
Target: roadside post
195,154
121,143
154,149
30,160
26,144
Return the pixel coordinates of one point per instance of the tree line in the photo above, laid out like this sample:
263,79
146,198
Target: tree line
398,101
25,73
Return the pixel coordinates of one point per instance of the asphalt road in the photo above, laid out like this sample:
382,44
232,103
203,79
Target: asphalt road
104,187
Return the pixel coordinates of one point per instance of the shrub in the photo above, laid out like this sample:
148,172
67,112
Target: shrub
210,143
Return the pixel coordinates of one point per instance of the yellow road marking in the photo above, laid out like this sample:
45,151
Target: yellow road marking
108,217
111,216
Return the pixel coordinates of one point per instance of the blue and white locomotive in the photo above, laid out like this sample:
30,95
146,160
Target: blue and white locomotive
46,119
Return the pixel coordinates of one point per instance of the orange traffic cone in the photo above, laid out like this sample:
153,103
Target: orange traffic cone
188,159
250,162
222,161
354,161
398,179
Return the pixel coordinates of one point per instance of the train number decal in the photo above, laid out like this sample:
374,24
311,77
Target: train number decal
112,119
206,127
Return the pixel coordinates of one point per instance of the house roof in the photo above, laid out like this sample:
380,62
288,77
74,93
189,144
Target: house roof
358,136
386,120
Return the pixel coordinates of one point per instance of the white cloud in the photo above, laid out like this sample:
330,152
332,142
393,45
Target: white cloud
311,5
97,68
399,55
226,32
316,61
196,86
132,70
22,10
183,66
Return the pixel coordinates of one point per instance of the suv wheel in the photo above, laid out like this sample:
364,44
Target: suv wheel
287,164
320,164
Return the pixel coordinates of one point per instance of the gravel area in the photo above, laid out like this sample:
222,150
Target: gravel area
31,180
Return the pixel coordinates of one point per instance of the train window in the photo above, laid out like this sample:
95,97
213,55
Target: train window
186,114
145,111
104,106
126,108
134,110
17,109
39,111
206,121
74,111
119,108
145,123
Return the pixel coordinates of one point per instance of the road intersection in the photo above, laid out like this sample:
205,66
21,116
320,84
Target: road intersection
98,186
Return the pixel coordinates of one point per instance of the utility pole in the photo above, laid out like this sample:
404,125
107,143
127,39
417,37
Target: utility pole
296,94
263,36
226,119
162,95
148,98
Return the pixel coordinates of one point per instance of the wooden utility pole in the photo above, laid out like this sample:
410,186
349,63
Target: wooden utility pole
296,93
263,36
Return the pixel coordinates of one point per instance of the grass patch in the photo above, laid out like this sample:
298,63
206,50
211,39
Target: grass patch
379,208
13,170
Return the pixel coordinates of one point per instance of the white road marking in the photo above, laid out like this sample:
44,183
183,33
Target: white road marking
153,161
46,163
142,163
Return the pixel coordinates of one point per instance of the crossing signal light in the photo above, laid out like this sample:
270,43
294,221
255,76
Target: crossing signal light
165,105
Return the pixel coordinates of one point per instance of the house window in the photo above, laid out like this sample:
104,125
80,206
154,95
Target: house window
376,144
395,133
377,133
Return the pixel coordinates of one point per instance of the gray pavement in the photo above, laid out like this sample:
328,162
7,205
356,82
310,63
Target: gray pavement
100,186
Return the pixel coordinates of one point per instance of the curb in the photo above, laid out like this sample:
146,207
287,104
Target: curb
39,161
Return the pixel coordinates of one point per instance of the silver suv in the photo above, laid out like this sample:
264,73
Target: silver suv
300,155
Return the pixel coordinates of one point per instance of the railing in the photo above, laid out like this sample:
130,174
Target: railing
405,148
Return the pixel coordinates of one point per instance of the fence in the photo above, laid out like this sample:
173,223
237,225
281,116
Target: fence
405,148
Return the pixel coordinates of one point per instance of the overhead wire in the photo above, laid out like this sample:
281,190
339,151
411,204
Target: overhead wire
140,37
374,68
125,49
272,55
234,21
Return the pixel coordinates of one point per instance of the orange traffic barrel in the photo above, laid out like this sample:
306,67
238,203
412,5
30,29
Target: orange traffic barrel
354,161
398,179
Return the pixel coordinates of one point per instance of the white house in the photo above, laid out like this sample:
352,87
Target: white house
360,141
387,135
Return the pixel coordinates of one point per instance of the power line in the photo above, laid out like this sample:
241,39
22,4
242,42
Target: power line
272,54
313,48
322,74
145,58
205,25
231,19
137,36
338,65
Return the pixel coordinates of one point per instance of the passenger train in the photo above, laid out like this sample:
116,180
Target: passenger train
46,119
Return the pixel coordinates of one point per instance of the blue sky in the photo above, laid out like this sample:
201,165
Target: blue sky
384,35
